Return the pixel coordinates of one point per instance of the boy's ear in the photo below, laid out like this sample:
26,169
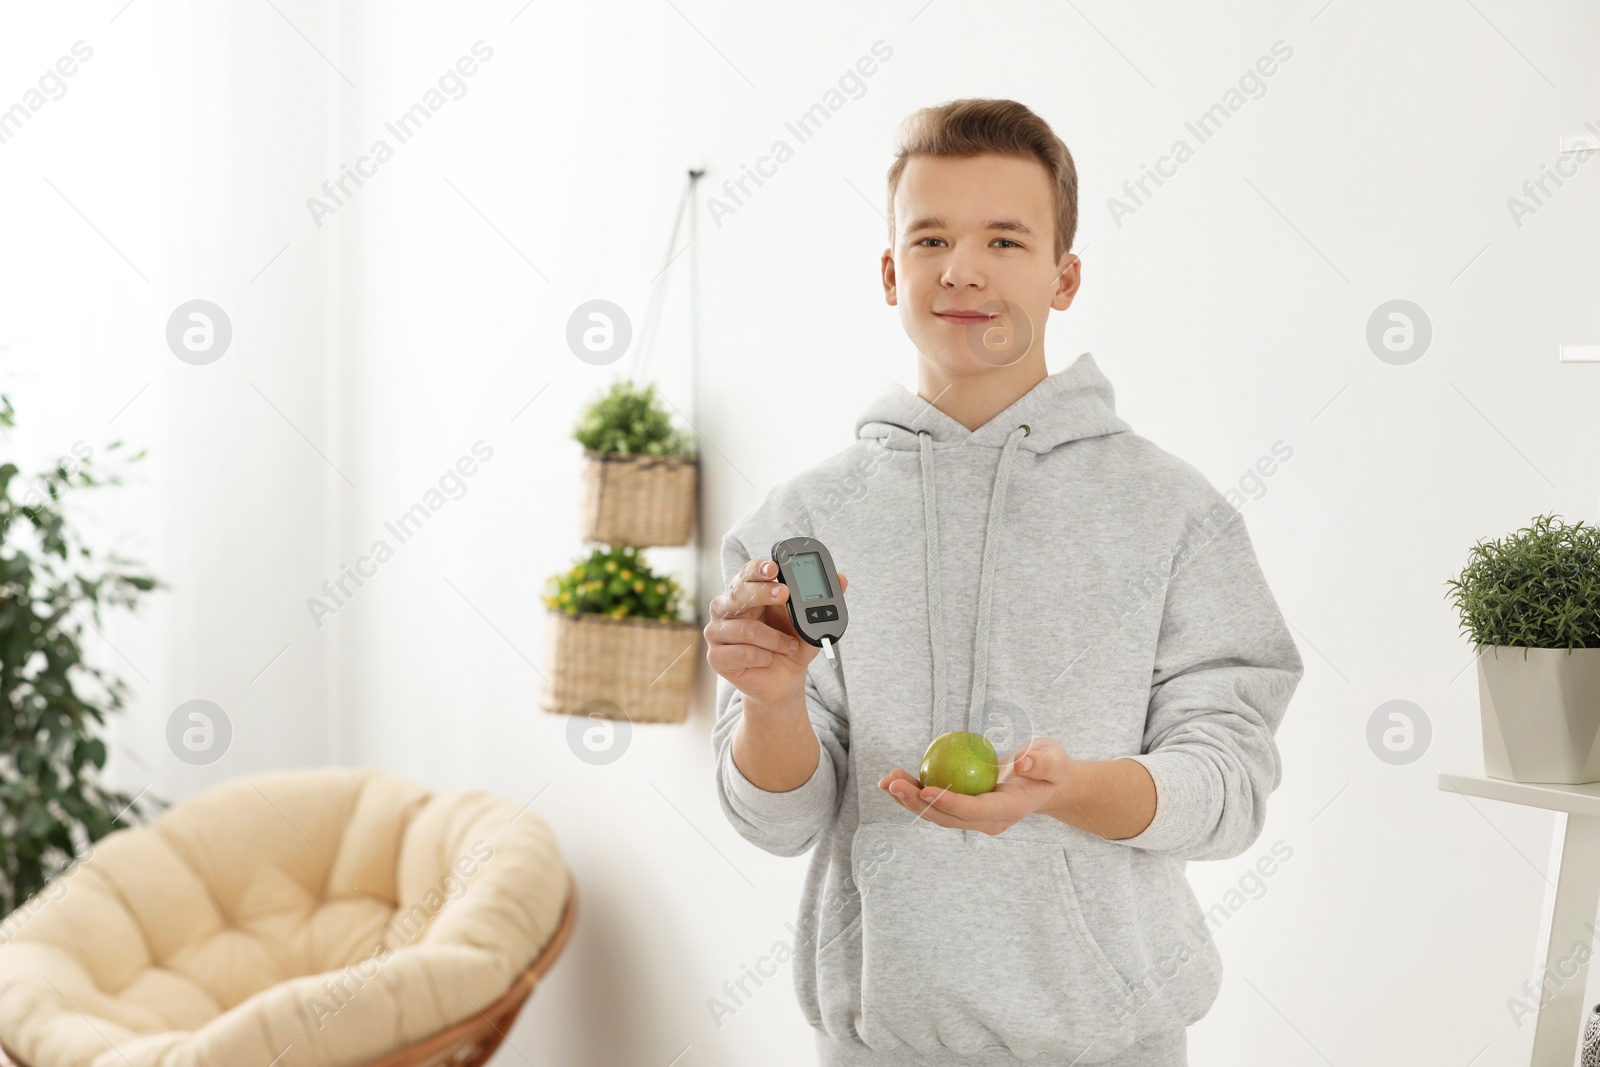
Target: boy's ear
886,266
1067,282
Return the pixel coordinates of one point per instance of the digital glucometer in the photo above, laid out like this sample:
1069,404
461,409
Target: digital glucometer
816,599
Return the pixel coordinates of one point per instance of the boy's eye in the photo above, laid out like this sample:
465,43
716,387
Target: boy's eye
1005,242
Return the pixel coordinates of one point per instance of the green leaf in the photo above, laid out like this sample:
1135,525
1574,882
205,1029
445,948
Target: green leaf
51,580
630,420
1536,588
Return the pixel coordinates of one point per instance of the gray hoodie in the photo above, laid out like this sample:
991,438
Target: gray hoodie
1079,584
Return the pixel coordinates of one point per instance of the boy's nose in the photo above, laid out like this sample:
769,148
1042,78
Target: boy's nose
956,276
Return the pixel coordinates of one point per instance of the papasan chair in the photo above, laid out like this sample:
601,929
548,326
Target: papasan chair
322,918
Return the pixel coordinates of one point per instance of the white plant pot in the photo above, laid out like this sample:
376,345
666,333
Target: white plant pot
1541,713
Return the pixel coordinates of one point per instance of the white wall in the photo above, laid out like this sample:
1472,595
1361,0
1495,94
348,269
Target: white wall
1229,311
163,174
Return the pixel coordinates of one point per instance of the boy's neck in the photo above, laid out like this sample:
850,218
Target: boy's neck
974,399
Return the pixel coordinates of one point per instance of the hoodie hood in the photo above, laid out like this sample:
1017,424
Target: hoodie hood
1069,405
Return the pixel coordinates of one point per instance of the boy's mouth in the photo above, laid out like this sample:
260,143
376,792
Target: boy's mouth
962,317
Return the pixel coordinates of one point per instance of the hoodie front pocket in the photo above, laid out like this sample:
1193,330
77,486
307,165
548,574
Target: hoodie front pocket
970,941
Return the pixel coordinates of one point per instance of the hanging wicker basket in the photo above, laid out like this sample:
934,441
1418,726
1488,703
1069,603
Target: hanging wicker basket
640,669
638,500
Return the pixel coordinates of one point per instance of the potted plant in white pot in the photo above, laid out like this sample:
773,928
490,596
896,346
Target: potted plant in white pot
1531,604
640,473
614,644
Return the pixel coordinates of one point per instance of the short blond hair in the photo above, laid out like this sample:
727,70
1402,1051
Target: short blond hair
976,126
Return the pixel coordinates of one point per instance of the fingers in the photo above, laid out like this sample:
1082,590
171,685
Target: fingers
748,631
938,818
1042,758
756,587
741,633
907,792
953,804
902,789
913,803
989,813
908,788
731,660
751,591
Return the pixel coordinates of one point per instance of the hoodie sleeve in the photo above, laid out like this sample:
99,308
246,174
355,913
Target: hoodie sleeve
1225,668
789,823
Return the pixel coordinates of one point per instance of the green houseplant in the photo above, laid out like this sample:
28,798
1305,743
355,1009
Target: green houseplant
615,645
52,803
629,420
1530,602
616,583
641,475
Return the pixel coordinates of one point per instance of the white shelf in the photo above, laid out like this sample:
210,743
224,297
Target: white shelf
1570,907
1572,799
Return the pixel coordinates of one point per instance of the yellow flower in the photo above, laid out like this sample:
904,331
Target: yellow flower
626,574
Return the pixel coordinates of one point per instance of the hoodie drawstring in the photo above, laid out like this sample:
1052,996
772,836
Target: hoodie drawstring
991,549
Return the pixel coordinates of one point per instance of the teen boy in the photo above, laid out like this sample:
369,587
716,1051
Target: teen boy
1025,566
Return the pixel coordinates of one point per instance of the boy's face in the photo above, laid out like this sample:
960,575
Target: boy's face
973,269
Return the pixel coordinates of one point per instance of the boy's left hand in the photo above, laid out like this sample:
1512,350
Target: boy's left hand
1033,778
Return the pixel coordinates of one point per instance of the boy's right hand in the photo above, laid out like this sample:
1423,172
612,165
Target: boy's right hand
752,642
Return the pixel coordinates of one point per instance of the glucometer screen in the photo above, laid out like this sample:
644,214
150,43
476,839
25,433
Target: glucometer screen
808,576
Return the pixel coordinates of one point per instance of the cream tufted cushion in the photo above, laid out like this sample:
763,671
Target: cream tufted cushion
321,918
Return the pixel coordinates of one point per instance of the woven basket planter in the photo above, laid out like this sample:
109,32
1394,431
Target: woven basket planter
638,669
638,500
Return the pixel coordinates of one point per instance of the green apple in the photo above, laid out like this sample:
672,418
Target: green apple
961,762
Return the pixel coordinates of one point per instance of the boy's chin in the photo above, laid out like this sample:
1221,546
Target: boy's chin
957,360
971,350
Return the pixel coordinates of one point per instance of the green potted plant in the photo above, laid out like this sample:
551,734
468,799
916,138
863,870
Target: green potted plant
615,645
1531,604
52,802
640,474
